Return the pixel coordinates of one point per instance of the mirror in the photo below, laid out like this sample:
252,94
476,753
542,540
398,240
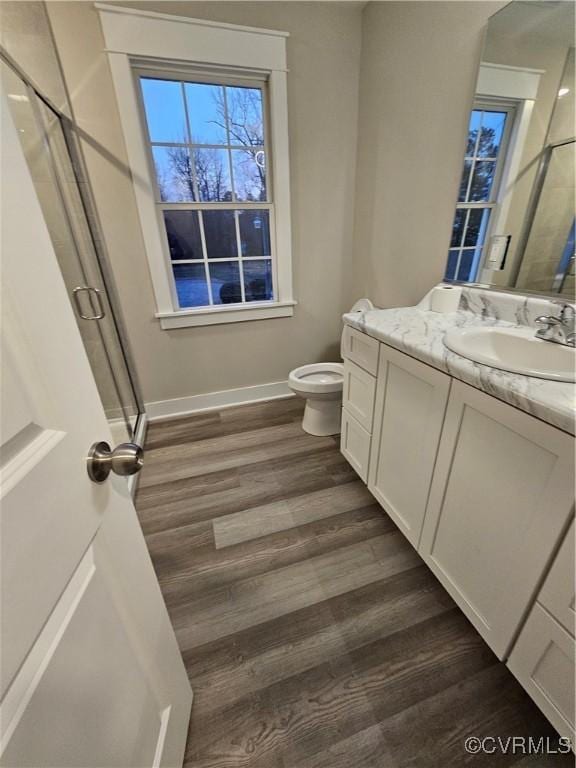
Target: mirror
514,221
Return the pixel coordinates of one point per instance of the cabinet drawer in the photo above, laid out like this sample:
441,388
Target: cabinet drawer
355,444
543,661
359,393
361,349
558,593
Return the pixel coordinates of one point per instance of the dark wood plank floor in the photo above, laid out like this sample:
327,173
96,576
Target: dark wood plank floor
313,634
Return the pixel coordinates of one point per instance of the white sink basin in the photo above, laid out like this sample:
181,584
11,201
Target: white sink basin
514,349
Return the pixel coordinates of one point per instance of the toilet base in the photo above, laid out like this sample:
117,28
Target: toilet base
322,417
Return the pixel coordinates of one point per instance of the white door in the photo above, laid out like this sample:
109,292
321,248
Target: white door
90,671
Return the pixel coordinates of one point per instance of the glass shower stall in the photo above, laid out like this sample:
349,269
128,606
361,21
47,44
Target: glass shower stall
49,138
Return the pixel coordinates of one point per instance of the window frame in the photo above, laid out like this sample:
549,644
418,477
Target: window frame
181,48
189,74
485,104
519,85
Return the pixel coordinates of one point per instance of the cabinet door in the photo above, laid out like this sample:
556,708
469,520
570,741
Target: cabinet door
543,661
558,592
355,444
358,394
500,499
410,405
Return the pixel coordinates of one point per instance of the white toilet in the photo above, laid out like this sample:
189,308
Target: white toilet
321,384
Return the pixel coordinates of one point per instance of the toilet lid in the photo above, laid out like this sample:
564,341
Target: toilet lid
322,377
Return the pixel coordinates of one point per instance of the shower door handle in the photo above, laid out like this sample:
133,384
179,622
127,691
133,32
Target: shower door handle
92,293
125,460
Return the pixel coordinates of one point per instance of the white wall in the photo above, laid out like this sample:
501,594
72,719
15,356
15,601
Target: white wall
324,60
417,70
418,73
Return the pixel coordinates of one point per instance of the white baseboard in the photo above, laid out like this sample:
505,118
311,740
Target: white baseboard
228,398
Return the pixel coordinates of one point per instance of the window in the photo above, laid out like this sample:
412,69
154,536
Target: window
488,134
208,147
203,107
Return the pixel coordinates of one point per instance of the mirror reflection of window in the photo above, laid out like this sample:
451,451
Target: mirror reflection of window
514,216
488,131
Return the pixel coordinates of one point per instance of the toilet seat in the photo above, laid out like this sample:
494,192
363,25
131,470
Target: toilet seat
321,378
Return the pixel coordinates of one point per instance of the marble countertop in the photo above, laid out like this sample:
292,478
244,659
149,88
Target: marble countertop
419,332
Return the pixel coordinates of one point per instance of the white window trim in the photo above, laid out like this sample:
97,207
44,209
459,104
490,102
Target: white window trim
132,35
519,84
507,82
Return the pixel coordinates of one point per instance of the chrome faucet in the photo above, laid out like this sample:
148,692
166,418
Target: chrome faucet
559,330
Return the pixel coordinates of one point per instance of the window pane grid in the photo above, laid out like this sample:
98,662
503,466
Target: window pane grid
233,147
205,259
188,143
234,155
231,165
464,228
461,206
478,159
476,232
486,134
229,291
212,162
226,115
244,206
471,157
462,240
192,231
473,162
192,151
239,247
188,136
239,159
223,261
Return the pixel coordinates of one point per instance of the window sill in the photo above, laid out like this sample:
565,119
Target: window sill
220,315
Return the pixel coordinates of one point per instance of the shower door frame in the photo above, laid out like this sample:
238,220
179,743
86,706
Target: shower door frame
531,214
72,136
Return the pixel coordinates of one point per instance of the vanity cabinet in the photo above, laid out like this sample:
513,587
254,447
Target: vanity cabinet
485,492
543,656
500,499
411,401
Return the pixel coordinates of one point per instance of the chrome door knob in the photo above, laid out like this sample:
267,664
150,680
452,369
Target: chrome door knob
125,459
